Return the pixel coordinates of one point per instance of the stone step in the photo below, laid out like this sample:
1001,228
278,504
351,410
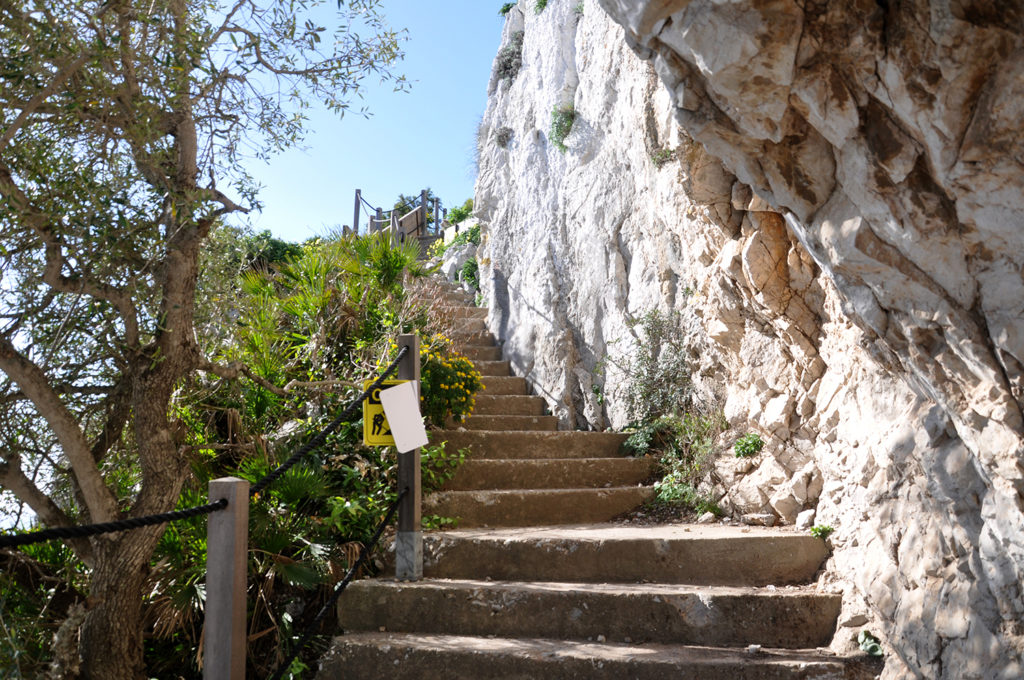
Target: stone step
463,312
478,337
692,554
403,656
533,445
496,368
470,325
566,473
481,352
790,618
504,384
535,507
510,404
506,423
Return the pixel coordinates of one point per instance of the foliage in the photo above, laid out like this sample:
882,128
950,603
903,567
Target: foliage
869,644
461,212
748,445
470,273
471,235
510,58
407,203
562,118
439,466
822,531
659,368
125,130
503,136
539,6
663,156
684,445
578,9
449,382
506,8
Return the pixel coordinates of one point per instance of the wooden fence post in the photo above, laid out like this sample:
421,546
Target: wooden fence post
409,541
227,549
355,219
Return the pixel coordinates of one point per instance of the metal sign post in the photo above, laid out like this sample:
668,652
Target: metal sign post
409,541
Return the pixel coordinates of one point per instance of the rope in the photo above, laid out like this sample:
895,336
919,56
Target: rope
109,527
321,437
364,552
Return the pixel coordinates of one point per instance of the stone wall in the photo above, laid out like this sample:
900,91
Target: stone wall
828,195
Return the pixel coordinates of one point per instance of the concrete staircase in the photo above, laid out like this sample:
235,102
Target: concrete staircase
535,583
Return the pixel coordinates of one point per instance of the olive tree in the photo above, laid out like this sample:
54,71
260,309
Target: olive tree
124,126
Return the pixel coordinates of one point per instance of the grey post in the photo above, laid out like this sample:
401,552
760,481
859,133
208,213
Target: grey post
380,220
227,549
423,202
409,541
437,213
355,220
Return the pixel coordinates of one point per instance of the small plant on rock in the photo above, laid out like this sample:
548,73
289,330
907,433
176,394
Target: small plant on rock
663,156
539,6
510,58
471,273
869,644
562,118
503,136
578,8
822,531
506,8
748,445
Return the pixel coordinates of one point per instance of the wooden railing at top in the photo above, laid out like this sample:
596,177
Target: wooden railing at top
415,223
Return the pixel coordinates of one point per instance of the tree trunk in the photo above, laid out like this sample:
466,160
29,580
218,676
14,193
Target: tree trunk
111,636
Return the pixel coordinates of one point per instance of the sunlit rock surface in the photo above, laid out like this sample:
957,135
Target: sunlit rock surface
830,195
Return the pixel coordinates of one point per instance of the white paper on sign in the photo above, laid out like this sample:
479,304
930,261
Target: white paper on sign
402,407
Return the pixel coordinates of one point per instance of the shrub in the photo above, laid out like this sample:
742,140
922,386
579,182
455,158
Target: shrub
503,136
506,8
663,156
562,118
659,367
461,212
448,382
869,644
748,445
684,445
510,57
539,6
471,273
822,531
578,8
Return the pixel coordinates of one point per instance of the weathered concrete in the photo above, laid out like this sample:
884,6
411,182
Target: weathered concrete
534,444
693,554
505,423
510,404
790,618
397,656
532,507
558,473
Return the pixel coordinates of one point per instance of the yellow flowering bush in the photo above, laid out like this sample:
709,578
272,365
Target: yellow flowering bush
448,381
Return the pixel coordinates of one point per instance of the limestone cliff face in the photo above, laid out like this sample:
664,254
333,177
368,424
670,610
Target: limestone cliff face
840,224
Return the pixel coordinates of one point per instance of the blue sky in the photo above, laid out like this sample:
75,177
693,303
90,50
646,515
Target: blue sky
425,137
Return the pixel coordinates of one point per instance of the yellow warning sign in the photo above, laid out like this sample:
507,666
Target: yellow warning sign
376,431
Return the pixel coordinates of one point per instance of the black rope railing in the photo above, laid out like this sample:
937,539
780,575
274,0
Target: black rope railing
364,552
129,523
87,530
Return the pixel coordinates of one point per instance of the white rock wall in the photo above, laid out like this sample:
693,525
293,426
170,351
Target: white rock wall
855,296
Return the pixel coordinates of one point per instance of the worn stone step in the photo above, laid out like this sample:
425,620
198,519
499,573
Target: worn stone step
533,445
565,473
477,337
504,423
496,368
692,554
509,404
404,656
789,618
504,384
481,352
470,325
465,312
530,507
